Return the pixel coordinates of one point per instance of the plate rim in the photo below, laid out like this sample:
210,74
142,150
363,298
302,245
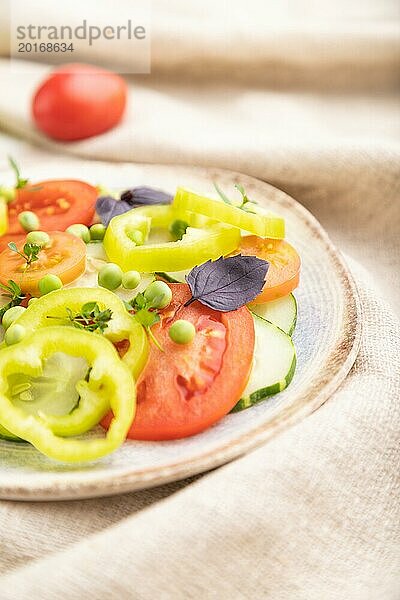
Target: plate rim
304,405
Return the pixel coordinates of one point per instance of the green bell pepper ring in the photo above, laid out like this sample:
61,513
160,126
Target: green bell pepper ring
108,378
196,246
120,327
252,219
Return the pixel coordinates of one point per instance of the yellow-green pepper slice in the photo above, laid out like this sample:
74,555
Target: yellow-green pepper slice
161,216
252,219
3,216
109,384
51,309
7,435
195,247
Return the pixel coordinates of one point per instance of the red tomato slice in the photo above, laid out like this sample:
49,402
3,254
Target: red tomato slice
58,204
5,239
284,265
187,388
65,257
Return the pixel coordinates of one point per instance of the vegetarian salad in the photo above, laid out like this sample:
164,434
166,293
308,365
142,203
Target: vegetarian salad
150,315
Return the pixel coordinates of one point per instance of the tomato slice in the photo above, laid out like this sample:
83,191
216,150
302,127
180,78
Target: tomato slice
284,265
65,257
187,388
7,238
58,204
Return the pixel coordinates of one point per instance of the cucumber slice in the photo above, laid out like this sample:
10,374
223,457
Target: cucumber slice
274,363
281,312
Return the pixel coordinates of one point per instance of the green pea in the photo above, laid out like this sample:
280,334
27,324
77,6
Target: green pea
80,231
14,334
110,276
131,279
97,231
49,283
41,238
29,220
158,294
11,315
182,332
178,229
136,236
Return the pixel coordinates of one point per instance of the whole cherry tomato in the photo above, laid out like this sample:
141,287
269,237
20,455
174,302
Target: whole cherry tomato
78,101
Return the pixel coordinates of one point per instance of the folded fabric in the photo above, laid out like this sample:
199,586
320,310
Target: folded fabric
291,44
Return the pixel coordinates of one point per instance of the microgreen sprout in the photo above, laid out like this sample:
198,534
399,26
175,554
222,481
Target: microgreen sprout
30,252
13,293
91,317
20,182
146,314
245,199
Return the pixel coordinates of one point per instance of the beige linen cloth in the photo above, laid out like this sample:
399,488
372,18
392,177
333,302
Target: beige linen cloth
304,96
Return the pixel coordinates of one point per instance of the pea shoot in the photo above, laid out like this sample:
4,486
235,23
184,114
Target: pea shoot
145,306
30,252
20,181
13,293
246,204
91,317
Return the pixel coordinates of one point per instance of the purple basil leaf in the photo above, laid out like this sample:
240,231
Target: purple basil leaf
108,207
141,196
227,283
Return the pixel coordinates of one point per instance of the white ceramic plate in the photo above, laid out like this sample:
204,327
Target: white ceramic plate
326,338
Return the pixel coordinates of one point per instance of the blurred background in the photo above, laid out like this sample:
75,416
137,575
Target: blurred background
302,94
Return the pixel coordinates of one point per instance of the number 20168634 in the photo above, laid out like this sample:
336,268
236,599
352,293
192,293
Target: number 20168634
28,47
